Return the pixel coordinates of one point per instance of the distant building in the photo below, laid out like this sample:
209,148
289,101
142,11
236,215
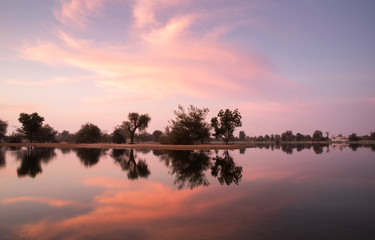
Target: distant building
339,139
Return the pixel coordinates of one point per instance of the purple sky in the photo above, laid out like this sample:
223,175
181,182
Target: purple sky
286,65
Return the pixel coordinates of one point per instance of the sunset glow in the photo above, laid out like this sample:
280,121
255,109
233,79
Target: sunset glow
285,65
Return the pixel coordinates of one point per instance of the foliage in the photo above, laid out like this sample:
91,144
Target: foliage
65,136
225,123
157,134
287,136
88,133
242,136
188,127
46,134
136,121
3,128
118,135
353,137
317,136
31,124
372,136
144,137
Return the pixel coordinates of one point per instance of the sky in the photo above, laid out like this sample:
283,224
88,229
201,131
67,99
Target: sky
300,65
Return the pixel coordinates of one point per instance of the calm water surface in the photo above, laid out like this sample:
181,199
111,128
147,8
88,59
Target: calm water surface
124,194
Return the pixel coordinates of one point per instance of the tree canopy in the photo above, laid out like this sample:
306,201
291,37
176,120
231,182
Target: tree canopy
31,124
188,127
88,133
136,121
225,123
3,128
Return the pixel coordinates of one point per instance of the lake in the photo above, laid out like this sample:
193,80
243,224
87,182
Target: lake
290,192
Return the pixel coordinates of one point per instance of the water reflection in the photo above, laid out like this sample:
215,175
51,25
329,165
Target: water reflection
2,158
31,160
188,167
130,163
226,170
89,156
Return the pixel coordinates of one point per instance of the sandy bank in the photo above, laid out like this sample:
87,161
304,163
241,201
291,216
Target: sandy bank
151,146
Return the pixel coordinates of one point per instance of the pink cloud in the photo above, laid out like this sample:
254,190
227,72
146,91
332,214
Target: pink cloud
372,100
50,201
75,12
165,58
53,81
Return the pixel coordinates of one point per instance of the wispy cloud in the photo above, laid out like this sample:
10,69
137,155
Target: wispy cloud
75,12
50,201
52,81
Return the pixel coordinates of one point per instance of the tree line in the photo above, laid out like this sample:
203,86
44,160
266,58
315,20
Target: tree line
288,136
189,127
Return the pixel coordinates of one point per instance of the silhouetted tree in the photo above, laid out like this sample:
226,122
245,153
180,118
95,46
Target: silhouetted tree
188,127
88,133
372,135
118,135
225,123
300,137
353,137
317,136
3,129
136,121
46,133
287,136
242,136
157,135
226,170
65,136
31,124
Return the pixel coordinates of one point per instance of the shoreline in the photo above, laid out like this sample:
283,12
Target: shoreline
151,146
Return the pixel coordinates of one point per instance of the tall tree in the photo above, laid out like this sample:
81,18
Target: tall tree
225,123
3,128
136,121
31,124
189,126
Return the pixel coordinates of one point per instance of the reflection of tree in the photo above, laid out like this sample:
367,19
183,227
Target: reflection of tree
89,156
65,150
31,160
226,169
354,146
318,148
127,160
2,158
188,167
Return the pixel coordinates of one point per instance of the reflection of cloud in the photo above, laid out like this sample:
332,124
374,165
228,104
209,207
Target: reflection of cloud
50,201
126,207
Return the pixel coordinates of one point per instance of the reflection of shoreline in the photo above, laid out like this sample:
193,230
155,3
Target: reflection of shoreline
150,146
